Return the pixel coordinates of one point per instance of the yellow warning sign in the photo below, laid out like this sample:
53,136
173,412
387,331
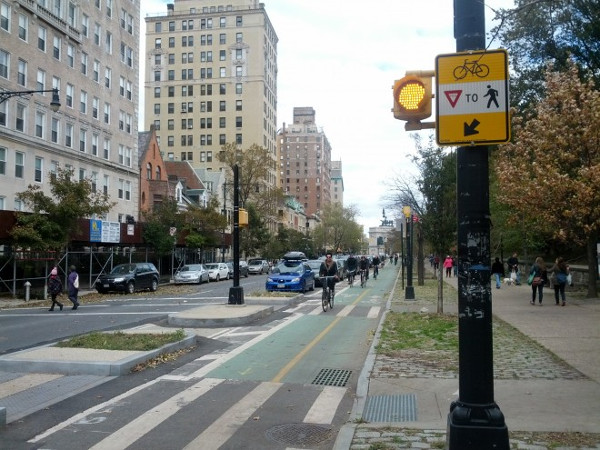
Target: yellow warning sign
472,99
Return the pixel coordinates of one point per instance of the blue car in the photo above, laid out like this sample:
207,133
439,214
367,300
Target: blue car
291,275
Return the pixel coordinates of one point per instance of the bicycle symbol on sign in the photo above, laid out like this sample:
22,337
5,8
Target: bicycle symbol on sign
472,67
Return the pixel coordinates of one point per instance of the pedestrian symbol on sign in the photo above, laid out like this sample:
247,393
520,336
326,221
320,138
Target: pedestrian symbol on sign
492,94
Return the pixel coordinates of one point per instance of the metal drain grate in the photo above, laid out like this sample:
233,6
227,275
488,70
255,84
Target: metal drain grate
391,408
298,434
332,377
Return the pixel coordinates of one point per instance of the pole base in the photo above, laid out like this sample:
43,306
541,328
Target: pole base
476,427
236,295
409,293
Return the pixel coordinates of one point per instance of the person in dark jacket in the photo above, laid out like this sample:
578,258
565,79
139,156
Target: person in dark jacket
54,288
73,286
498,271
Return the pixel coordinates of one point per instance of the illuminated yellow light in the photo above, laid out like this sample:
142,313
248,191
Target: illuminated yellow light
410,95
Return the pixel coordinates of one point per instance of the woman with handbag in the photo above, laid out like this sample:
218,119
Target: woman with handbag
560,272
537,278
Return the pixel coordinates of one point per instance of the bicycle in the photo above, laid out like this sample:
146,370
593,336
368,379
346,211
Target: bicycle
363,278
328,292
472,67
375,271
351,275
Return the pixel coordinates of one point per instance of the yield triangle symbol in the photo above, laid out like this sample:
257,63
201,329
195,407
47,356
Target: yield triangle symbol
453,96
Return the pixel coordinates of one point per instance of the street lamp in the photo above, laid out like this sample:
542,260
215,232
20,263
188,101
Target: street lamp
54,103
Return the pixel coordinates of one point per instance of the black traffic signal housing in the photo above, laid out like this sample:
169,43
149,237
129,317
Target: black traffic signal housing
412,99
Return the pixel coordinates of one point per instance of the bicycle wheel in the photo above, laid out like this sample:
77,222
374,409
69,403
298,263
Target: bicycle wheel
460,72
324,300
482,70
331,297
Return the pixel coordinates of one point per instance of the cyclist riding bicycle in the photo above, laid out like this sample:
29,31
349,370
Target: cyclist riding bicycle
351,264
364,265
376,262
329,268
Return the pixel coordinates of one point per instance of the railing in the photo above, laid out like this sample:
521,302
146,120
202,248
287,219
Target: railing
51,18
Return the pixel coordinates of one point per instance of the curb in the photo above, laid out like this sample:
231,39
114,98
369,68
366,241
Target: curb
18,361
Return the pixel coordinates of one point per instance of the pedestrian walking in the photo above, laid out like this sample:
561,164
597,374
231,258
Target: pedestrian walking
513,267
73,286
54,288
498,271
538,276
560,272
448,266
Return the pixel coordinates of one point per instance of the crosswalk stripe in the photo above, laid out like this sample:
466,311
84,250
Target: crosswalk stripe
144,423
374,312
25,382
346,310
225,426
324,408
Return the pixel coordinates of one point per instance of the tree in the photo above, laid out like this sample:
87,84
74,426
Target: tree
204,225
538,31
549,175
54,220
158,223
432,196
338,230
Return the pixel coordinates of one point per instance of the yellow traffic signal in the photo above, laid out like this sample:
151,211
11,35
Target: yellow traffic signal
412,98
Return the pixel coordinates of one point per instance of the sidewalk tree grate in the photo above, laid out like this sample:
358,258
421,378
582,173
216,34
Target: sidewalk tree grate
391,408
299,434
332,377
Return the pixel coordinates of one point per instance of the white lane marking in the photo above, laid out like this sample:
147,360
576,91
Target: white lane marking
91,410
25,382
144,423
225,426
324,407
345,311
373,312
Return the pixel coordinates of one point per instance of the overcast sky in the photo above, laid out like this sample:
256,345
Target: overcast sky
342,60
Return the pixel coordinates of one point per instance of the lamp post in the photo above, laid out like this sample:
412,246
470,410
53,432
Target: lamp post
409,293
54,103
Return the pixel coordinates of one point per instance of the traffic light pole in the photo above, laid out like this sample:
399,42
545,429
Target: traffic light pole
475,421
236,292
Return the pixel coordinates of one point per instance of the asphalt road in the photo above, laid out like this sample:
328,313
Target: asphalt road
29,327
284,382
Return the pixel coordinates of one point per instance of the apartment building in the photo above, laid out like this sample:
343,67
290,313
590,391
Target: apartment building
337,183
211,79
304,156
87,51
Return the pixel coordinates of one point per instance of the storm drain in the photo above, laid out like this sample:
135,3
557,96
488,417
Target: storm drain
332,377
391,408
301,434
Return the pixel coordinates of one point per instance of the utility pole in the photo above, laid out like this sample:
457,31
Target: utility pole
475,422
236,292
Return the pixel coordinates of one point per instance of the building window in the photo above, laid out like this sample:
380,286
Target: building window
83,98
56,47
22,73
95,107
106,185
238,21
82,140
106,150
158,172
19,164
38,169
54,131
40,118
20,117
209,157
69,135
42,38
238,122
95,140
23,27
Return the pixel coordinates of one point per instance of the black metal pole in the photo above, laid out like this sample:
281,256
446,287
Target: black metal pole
475,421
236,292
402,252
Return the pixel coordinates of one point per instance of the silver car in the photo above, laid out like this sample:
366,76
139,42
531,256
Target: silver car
192,273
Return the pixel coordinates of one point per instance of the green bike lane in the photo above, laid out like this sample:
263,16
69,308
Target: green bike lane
338,339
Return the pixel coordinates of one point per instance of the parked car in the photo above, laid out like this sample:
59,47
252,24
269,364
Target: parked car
259,266
191,273
129,278
217,271
291,275
315,265
243,265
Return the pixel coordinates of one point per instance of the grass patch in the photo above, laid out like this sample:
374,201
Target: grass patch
403,331
123,341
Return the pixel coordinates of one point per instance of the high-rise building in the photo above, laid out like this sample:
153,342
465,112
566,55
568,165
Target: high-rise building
305,161
211,79
337,183
88,52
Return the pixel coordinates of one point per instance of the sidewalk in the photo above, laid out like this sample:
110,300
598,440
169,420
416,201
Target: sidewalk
549,396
